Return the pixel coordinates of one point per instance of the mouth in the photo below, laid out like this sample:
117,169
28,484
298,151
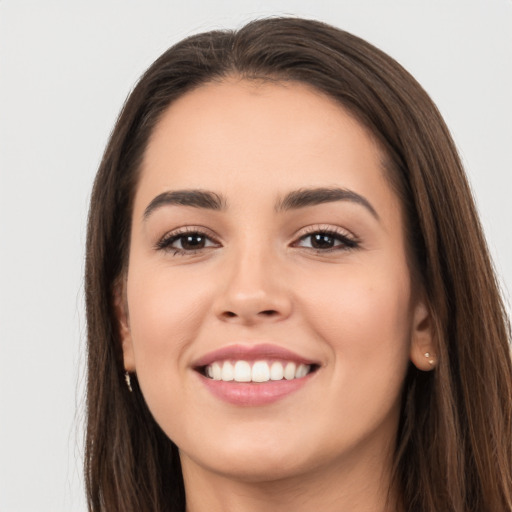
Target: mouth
254,375
259,371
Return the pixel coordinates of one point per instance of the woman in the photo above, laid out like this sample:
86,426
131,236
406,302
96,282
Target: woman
290,302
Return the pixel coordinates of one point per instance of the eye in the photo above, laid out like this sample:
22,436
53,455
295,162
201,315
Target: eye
189,241
326,240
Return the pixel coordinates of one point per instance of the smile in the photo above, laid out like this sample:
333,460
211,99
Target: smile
254,375
258,371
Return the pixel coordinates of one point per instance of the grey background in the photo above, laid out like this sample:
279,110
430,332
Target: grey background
65,70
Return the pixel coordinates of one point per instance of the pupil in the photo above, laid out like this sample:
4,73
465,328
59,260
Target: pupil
322,241
192,242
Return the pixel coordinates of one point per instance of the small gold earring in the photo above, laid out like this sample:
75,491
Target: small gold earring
128,381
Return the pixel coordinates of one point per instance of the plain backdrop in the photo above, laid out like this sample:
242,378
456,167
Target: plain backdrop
65,69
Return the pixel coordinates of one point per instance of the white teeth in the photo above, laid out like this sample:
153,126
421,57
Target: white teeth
302,371
289,371
217,371
228,373
261,371
276,371
243,371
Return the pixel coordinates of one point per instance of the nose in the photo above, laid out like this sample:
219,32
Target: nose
254,289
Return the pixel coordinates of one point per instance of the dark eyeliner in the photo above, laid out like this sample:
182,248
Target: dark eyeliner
165,243
347,242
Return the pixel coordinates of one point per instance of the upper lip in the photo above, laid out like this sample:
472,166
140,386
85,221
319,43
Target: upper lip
251,353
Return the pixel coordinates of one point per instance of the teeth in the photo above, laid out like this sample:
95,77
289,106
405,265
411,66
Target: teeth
302,371
289,371
261,371
217,371
276,371
242,371
228,372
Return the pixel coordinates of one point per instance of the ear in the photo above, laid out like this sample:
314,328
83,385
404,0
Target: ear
423,353
123,324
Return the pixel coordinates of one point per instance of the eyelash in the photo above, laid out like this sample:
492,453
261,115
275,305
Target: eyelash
165,243
348,242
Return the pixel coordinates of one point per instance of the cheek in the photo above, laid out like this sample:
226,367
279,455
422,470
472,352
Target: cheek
364,319
164,308
367,302
164,313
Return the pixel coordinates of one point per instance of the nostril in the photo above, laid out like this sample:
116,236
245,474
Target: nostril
267,313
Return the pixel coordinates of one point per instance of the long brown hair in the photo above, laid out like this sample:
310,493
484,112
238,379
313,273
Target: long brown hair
454,444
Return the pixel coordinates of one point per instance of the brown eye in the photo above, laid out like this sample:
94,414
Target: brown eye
327,240
186,242
322,241
192,241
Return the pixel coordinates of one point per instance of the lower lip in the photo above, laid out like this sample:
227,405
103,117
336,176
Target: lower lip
251,394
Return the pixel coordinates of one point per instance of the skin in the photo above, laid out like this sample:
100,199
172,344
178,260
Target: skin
354,310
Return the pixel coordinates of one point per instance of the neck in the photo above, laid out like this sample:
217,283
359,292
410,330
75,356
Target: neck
363,486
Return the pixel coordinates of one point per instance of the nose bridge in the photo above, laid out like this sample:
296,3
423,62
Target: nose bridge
253,288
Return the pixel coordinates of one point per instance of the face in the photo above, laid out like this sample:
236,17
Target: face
267,246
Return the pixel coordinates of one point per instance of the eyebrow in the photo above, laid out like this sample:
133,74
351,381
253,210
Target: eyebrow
195,198
313,196
294,200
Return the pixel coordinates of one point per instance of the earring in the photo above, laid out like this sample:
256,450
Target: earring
128,381
431,360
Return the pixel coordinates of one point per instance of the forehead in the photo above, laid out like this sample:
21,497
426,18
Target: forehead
253,137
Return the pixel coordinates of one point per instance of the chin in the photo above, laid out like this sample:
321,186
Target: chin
258,453
253,465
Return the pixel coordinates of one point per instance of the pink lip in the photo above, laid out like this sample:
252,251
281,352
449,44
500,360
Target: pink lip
250,353
250,393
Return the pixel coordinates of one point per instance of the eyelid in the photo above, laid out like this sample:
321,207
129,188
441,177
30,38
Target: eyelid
325,228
